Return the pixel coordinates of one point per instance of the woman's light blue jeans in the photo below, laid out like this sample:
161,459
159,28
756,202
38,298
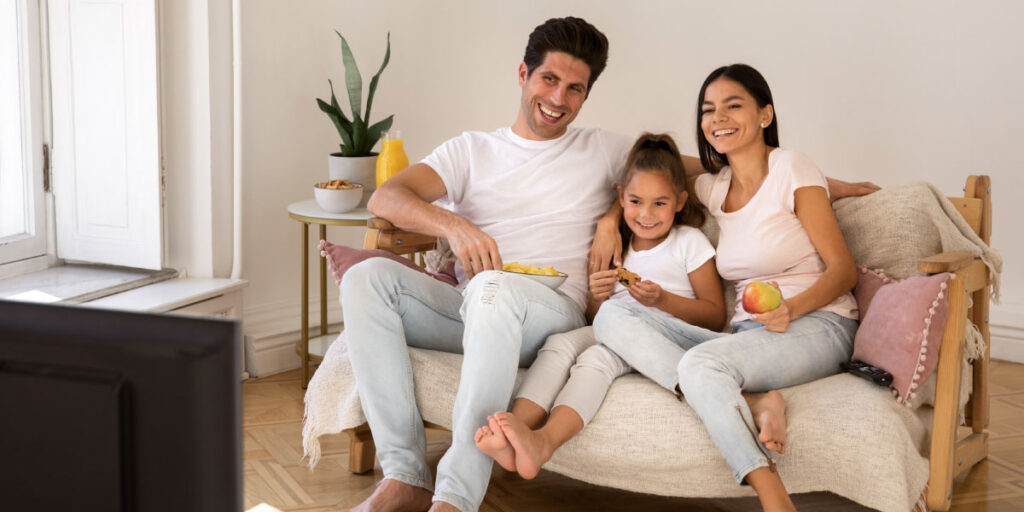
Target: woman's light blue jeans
498,323
713,369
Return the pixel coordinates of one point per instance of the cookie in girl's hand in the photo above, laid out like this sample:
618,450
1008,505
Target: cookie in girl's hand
626,277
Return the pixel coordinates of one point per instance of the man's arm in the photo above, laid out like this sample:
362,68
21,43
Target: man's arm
405,200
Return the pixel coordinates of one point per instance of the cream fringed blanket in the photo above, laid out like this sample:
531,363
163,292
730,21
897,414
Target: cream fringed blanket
845,435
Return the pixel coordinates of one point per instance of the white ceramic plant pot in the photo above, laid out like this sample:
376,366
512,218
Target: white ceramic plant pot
358,169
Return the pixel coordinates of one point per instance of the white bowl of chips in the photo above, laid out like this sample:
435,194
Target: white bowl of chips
337,196
547,276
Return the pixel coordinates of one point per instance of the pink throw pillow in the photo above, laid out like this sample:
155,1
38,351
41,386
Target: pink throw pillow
901,326
341,257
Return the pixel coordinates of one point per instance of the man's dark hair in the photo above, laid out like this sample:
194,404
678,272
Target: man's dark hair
569,35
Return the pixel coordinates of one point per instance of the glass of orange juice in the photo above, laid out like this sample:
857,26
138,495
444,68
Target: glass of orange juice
392,156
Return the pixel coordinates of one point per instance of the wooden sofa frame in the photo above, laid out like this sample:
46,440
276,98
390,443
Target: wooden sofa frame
951,453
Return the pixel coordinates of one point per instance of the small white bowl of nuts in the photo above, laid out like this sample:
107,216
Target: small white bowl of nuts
337,196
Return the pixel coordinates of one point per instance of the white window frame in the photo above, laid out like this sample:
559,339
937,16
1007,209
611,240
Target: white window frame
21,152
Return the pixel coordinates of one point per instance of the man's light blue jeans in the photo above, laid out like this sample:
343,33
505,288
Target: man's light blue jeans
498,323
713,369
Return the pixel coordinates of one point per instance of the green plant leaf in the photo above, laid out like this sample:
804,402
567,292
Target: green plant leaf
353,80
374,132
345,131
359,136
373,81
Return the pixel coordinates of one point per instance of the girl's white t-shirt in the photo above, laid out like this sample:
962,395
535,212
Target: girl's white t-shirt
669,263
539,200
764,240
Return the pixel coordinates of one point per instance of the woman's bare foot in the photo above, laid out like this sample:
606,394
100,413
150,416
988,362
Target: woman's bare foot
530,447
491,440
769,412
394,496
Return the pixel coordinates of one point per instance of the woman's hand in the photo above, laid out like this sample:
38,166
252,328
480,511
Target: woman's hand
647,293
607,246
776,320
602,284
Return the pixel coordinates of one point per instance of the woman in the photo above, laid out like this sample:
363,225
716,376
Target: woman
777,225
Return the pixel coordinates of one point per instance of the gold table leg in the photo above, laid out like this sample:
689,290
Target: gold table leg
305,305
323,285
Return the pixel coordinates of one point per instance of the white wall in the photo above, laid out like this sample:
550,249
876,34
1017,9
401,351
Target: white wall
892,92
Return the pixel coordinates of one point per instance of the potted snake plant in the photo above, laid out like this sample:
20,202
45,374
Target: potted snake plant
356,160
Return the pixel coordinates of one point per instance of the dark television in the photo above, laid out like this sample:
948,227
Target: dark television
117,411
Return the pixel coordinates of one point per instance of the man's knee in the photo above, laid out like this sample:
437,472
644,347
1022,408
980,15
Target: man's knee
369,279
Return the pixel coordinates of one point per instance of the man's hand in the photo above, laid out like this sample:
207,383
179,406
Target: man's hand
838,189
475,249
606,251
647,293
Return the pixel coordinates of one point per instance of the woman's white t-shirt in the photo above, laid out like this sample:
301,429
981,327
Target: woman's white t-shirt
669,263
764,240
539,200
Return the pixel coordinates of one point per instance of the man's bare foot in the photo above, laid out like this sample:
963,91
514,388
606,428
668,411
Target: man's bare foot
531,448
491,440
394,496
769,412
443,506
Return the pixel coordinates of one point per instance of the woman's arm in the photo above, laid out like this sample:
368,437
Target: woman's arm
840,275
707,310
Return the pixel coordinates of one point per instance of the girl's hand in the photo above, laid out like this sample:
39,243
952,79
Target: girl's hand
776,320
602,284
647,293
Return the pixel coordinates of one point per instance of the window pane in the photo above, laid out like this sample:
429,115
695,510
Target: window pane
14,170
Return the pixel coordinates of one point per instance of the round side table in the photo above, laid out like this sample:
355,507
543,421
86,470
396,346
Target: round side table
309,212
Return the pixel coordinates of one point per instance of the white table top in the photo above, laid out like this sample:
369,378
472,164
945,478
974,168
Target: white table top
309,208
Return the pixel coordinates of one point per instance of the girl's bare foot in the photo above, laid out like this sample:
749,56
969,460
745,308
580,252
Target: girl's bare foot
769,412
531,449
394,496
491,440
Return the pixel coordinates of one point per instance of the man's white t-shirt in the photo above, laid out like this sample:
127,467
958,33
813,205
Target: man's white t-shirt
539,200
669,263
764,240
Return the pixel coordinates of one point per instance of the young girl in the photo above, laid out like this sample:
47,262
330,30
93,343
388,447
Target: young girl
572,373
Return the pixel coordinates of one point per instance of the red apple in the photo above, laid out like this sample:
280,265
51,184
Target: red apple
760,297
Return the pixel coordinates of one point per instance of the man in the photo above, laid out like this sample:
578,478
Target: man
531,193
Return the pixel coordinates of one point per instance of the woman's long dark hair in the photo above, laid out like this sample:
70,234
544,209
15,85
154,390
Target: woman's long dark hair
757,86
657,152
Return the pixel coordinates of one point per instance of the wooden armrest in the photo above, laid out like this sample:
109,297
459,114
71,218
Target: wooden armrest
382,234
950,261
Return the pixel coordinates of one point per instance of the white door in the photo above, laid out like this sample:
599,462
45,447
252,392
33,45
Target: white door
22,203
106,158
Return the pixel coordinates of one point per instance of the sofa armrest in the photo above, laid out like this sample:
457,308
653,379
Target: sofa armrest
381,234
949,261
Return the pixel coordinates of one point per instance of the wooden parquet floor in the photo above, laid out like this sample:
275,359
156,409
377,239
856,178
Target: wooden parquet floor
275,477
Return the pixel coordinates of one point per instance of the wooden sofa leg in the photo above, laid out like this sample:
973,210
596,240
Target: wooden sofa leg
361,450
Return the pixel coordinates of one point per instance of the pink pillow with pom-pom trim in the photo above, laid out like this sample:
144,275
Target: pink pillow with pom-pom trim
901,326
340,258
